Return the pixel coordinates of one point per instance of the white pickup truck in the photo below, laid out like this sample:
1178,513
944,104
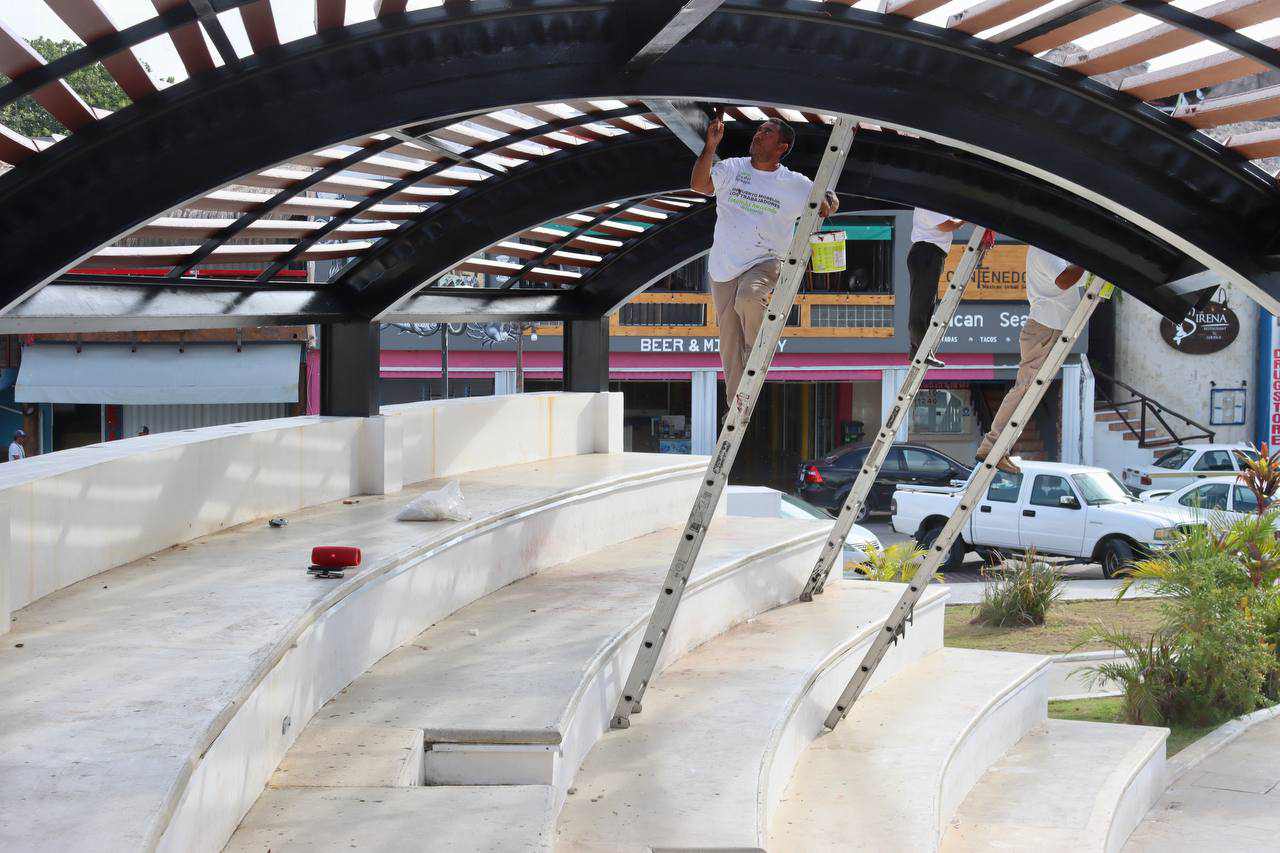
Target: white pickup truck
1062,510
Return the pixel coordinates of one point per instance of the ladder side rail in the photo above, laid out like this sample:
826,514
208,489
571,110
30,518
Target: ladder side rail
735,425
895,625
879,450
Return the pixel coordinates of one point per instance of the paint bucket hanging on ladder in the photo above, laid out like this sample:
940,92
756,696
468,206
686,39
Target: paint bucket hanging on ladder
828,251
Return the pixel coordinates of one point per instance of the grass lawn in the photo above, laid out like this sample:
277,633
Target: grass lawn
1069,623
1108,710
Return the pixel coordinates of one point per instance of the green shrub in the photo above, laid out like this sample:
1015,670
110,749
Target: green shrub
1022,596
896,563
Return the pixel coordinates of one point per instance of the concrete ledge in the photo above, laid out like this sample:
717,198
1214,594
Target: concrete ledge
924,739
200,666
517,688
1189,758
698,769
75,513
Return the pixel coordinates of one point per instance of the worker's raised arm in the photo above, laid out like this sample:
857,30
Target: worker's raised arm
1069,277
950,225
701,181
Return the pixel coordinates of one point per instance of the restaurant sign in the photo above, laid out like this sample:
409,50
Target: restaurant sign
1002,275
1205,330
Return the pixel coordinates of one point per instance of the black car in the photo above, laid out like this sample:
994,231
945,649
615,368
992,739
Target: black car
826,482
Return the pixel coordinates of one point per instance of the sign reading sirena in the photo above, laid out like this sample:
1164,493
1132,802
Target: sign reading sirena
1209,329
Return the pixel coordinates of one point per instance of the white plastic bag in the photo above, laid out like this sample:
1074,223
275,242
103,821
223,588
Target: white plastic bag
443,504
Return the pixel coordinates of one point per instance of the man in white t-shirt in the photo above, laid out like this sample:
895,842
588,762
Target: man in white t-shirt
16,450
758,201
1051,291
931,235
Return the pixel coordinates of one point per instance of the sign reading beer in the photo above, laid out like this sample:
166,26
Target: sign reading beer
1205,330
1002,276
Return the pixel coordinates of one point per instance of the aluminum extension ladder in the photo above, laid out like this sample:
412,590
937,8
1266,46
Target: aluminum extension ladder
895,626
974,252
735,425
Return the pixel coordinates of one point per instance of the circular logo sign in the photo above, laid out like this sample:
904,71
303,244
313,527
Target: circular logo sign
1203,331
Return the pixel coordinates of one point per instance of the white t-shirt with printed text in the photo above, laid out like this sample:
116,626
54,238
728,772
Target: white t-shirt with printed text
1050,305
924,228
756,214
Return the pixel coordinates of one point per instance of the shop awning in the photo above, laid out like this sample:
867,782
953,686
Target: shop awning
153,374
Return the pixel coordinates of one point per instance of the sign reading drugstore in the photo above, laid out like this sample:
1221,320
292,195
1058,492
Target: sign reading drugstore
1209,329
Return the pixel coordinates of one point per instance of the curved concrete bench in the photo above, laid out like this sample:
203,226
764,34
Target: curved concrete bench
1067,786
894,772
148,706
704,766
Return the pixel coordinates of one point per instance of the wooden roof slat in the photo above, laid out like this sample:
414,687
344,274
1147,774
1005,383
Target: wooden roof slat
260,25
1077,29
1197,74
14,147
234,201
88,21
546,235
17,57
145,255
330,14
181,228
912,8
1243,106
1167,38
388,7
617,229
1256,145
538,274
282,178
188,40
991,13
524,250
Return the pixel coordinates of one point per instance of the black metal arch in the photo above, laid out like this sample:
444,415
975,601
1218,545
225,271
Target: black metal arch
462,60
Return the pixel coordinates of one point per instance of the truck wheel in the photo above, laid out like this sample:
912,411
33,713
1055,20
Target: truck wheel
1116,555
954,558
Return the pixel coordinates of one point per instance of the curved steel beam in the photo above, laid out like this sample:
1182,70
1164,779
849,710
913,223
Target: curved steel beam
881,165
1014,109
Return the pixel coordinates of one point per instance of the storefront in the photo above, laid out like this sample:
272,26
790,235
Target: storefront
839,366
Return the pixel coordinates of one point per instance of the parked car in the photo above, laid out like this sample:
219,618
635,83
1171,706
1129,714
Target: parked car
1219,497
763,502
1186,463
826,482
1063,510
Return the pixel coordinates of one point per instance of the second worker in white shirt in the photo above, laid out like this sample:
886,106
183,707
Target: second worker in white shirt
1052,294
758,201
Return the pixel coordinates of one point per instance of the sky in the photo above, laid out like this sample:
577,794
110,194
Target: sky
295,19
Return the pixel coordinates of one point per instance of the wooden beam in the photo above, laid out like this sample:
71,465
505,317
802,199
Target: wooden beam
14,147
1076,29
114,256
17,58
991,13
1167,38
330,14
1243,106
1197,74
382,8
260,25
88,21
912,8
1256,145
188,41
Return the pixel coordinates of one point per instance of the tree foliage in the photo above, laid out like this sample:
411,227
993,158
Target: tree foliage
93,84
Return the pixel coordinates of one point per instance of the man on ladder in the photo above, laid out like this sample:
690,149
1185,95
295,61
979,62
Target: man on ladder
758,201
1051,283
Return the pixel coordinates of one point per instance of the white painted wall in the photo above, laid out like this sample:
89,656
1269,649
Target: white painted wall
72,514
1180,381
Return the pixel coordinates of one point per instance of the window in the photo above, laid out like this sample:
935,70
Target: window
940,411
893,462
1245,501
1215,460
1103,488
1048,490
853,459
1212,496
924,462
1173,459
1004,488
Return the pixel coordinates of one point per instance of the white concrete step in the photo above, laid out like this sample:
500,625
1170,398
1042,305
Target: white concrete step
890,777
193,671
1066,787
399,820
517,687
705,763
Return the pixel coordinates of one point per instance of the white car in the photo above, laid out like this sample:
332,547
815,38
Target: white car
1060,510
1184,464
1223,498
764,502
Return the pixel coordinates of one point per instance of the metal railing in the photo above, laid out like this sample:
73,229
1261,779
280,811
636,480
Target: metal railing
1149,410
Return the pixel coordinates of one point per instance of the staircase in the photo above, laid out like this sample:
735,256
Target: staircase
1131,428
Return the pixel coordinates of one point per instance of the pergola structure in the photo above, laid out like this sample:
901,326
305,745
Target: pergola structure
546,144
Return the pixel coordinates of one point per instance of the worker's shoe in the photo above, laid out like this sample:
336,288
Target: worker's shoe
934,361
1004,463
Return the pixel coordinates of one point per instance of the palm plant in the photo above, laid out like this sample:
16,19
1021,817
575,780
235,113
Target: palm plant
895,563
1021,596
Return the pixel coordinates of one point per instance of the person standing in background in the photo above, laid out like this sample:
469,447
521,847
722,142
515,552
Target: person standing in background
931,235
16,450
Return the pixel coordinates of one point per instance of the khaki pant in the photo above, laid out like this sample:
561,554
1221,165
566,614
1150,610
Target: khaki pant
740,306
1035,342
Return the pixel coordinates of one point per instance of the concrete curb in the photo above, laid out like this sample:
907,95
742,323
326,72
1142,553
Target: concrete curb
1187,760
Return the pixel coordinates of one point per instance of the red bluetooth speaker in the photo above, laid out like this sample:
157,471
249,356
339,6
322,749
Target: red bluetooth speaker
335,556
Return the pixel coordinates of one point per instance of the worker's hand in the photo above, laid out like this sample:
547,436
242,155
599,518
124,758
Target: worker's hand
988,239
715,131
830,204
